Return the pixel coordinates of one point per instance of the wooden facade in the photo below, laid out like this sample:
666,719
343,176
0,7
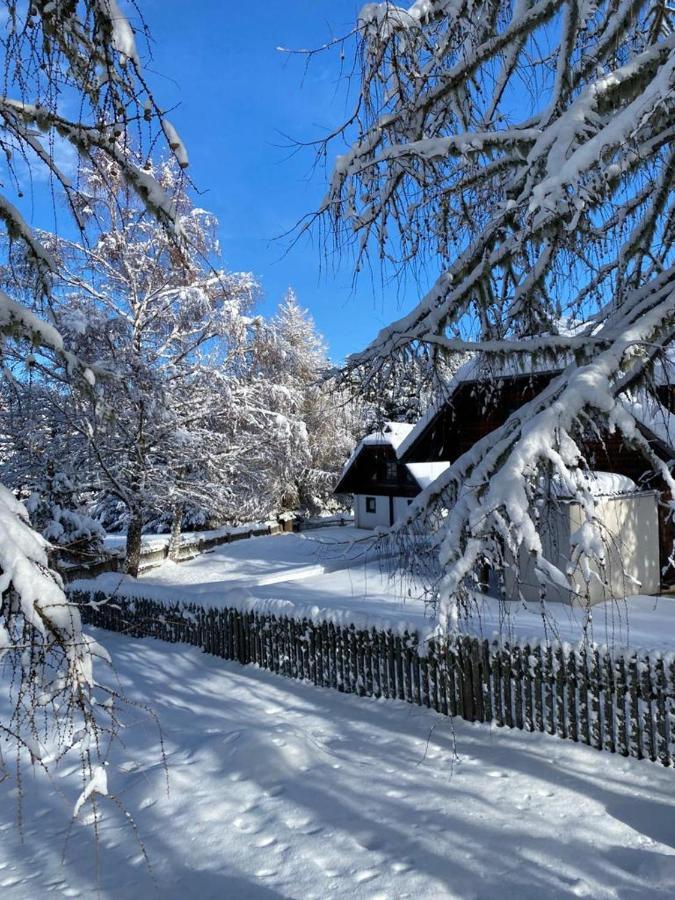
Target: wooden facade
377,471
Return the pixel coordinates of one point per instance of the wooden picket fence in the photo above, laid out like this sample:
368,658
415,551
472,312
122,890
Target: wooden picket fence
622,703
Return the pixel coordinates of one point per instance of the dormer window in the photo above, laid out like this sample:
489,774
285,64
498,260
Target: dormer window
392,471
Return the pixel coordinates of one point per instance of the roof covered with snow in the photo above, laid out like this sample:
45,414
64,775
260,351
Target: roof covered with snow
392,434
600,484
426,473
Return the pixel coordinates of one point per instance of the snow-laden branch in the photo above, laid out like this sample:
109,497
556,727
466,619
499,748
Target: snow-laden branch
538,182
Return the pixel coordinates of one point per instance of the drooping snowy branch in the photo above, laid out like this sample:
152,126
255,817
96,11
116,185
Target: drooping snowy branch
526,148
58,56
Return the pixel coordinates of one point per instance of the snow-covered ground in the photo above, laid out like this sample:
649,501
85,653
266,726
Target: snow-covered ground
338,569
278,789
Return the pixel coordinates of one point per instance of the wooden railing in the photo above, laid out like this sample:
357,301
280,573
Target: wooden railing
151,557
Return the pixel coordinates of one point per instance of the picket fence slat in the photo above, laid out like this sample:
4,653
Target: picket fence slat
615,703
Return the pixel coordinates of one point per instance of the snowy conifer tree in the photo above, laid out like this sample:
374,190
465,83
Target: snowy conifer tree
292,355
525,146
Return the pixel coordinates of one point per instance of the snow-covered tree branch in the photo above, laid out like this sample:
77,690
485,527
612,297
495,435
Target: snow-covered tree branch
56,57
527,149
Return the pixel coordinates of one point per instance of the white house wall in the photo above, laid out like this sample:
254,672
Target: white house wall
631,546
381,516
400,507
631,538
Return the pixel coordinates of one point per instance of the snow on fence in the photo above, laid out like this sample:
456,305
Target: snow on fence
623,703
189,547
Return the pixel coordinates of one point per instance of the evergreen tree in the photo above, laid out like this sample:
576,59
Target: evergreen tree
293,356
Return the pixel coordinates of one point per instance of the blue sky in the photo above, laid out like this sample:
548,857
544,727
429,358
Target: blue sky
236,97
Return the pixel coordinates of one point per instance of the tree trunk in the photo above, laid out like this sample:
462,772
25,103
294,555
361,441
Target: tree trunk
176,530
133,556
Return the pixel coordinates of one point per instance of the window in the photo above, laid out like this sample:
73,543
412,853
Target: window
370,504
392,471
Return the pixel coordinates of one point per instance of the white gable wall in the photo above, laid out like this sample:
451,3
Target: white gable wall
381,516
364,519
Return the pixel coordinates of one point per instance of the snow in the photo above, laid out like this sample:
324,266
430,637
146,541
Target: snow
599,484
98,784
426,473
122,34
338,574
176,143
392,434
15,315
153,541
281,789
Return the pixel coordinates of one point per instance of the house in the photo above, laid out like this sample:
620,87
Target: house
382,486
636,519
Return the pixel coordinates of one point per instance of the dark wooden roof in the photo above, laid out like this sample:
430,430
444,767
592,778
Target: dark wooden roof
474,409
372,472
477,407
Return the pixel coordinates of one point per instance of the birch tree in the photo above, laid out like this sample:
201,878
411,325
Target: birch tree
524,148
160,326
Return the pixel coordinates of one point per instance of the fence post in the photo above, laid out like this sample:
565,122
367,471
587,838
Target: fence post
609,694
596,689
477,679
488,681
506,675
662,730
584,712
622,733
647,706
517,686
633,688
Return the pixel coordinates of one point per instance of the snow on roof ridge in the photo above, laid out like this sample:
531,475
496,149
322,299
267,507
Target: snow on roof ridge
391,433
599,484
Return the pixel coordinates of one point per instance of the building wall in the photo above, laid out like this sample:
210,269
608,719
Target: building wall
401,506
631,538
365,519
631,546
381,516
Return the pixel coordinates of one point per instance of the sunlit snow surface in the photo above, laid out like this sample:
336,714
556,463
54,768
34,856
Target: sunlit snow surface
281,789
339,569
